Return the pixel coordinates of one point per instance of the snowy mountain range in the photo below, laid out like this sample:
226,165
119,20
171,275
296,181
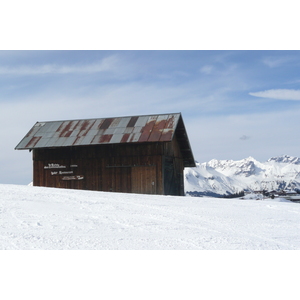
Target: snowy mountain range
226,177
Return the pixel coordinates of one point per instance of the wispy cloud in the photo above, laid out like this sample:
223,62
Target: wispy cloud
106,64
274,62
280,94
207,69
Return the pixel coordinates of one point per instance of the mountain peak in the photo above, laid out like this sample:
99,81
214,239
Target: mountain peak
250,158
285,159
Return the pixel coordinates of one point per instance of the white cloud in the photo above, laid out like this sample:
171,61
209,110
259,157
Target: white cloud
207,69
107,64
274,62
281,94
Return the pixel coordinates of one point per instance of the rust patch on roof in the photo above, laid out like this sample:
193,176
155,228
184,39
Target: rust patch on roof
86,127
166,135
59,129
105,138
33,142
157,131
146,131
66,130
125,138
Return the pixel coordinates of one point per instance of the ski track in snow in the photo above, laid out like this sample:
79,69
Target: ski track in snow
48,218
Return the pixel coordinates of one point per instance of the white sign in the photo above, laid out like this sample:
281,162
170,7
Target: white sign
75,177
65,172
54,166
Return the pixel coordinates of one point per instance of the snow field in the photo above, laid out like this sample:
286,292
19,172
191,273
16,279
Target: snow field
39,218
36,218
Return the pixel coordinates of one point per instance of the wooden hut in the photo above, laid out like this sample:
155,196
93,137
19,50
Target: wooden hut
139,154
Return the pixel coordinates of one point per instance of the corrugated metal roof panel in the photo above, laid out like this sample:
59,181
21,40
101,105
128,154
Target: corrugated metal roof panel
41,143
109,131
115,122
53,126
69,141
141,121
134,137
87,139
136,129
116,138
97,124
33,130
124,122
24,142
33,141
61,141
44,127
92,132
106,123
74,133
132,122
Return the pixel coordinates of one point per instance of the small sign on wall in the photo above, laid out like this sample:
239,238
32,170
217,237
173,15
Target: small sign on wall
75,177
54,166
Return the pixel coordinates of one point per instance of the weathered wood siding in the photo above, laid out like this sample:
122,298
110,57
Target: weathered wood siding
148,168
173,167
116,168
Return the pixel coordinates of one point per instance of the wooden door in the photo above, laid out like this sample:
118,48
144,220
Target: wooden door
143,180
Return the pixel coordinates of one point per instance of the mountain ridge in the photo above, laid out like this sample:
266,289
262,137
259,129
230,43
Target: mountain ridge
226,177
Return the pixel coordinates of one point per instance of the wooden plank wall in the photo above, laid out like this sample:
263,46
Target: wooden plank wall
117,168
173,168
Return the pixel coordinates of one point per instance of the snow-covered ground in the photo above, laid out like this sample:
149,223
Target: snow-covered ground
49,218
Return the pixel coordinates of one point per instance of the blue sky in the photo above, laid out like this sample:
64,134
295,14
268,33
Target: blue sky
234,104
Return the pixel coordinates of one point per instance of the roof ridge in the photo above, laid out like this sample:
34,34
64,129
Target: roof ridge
150,115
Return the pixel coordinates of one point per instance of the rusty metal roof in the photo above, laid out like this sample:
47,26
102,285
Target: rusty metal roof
136,129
